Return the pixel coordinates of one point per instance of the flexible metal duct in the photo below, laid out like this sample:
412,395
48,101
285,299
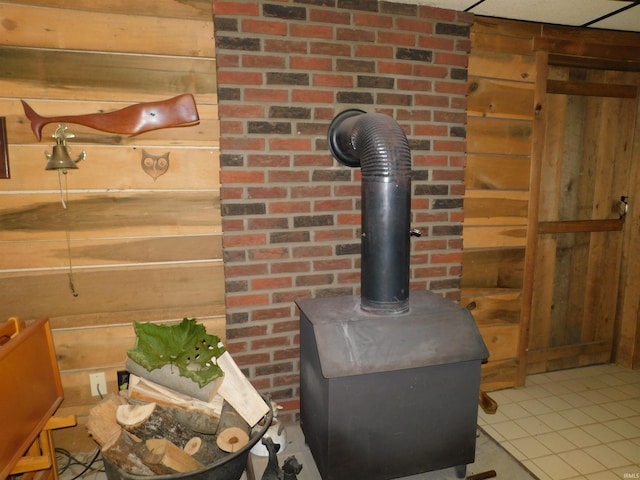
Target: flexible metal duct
376,143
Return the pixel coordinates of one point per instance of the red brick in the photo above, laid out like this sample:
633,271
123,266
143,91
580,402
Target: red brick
267,27
271,283
241,176
247,300
246,240
235,8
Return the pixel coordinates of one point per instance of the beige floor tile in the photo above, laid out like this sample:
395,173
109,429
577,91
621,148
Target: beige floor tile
535,407
577,416
599,413
555,421
513,410
557,389
628,450
537,471
579,437
555,467
575,400
623,427
627,472
599,396
516,395
602,433
582,462
607,456
555,442
556,403
533,425
620,409
606,475
509,430
635,420
531,447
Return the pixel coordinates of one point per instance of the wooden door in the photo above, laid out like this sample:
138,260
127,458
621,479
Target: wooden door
588,138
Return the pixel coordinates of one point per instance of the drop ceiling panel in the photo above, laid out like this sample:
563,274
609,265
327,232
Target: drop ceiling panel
567,12
560,12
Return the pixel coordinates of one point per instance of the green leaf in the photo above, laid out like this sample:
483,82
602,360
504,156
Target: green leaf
185,345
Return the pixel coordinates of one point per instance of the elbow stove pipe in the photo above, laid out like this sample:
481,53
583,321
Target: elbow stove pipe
376,143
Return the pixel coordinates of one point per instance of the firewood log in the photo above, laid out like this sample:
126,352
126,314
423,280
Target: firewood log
239,392
121,452
199,416
169,376
102,424
150,421
204,450
164,452
233,430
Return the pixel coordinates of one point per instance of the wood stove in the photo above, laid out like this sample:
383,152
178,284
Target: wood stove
389,380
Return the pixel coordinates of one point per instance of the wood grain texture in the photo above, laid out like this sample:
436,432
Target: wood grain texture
142,249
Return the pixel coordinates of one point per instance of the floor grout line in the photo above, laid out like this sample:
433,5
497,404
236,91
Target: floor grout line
572,424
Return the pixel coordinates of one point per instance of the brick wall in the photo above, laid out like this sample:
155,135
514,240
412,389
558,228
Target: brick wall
291,215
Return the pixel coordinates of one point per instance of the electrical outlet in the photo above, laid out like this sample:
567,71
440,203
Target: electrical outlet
98,383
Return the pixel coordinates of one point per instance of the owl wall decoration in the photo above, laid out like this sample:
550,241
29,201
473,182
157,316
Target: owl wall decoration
155,165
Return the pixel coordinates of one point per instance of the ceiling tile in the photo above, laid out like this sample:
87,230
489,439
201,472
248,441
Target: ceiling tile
559,12
628,20
565,12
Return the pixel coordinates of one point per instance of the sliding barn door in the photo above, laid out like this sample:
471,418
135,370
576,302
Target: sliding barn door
590,119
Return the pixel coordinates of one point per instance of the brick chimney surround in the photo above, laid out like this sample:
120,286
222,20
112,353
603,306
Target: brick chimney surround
290,212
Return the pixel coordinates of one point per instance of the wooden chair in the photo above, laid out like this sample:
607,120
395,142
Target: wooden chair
31,393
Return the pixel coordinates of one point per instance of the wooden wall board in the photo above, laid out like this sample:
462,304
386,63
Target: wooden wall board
498,136
195,9
492,306
504,66
499,98
122,214
116,168
491,207
497,172
142,249
54,255
501,341
129,289
500,236
499,374
493,268
79,349
113,32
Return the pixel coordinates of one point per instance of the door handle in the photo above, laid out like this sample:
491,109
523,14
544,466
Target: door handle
624,206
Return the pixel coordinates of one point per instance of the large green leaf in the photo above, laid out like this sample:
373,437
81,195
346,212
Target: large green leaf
185,345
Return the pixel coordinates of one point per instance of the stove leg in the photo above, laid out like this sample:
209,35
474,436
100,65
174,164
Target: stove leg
461,471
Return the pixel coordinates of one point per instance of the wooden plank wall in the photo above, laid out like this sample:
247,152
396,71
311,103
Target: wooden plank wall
502,76
142,249
507,82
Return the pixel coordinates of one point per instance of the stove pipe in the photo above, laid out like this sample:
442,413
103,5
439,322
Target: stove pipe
376,143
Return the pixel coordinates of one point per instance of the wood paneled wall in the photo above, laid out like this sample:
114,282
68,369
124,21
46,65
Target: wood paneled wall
507,82
141,249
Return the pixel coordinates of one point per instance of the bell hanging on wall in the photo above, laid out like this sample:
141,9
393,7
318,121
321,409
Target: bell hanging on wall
59,158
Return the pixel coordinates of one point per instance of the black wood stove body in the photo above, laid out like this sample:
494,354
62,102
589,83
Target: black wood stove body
383,398
389,381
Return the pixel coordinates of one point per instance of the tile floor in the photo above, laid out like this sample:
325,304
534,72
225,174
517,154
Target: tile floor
578,424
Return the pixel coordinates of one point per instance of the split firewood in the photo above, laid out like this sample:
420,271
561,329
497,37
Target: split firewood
148,421
199,416
204,451
239,392
102,423
233,430
164,452
169,376
120,450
